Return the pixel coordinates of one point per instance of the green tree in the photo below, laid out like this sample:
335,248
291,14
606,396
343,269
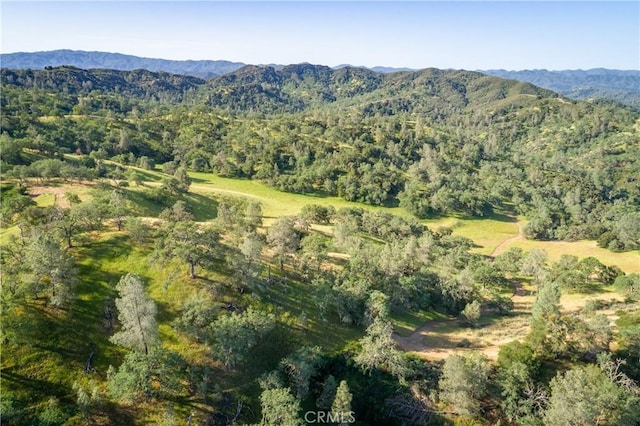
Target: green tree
463,383
547,302
235,334
341,406
69,222
300,367
52,414
378,350
377,306
143,376
183,179
521,398
283,238
197,313
87,400
231,215
588,396
510,260
137,316
279,408
315,213
50,268
548,328
630,284
146,163
533,263
522,401
177,213
138,231
14,202
627,230
518,352
471,313
253,215
118,209
345,232
314,251
246,264
190,243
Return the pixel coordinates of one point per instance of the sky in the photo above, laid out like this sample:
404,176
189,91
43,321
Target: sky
472,35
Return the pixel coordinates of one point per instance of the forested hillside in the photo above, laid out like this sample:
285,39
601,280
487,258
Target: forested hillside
433,141
277,246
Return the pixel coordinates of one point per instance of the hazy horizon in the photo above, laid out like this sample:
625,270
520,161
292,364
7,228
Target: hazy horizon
470,35
332,66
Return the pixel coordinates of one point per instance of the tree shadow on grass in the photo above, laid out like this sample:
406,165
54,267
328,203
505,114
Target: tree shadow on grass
37,386
587,288
499,217
202,208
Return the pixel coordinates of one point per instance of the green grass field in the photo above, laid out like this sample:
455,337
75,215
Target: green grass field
487,232
274,203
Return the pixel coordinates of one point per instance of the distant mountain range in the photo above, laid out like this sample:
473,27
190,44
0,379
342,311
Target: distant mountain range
620,86
87,60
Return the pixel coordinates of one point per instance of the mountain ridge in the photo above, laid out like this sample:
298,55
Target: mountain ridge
598,83
293,88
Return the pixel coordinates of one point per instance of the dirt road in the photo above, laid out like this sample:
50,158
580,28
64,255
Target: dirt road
503,245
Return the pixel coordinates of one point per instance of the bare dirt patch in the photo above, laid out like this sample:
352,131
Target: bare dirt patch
57,191
436,340
439,339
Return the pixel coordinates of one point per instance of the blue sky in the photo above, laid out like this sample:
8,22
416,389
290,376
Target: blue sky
418,34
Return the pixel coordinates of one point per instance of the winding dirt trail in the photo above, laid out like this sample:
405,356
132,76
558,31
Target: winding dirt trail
503,245
438,331
415,341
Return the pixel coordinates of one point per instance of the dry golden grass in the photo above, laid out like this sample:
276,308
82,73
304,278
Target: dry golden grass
629,262
493,333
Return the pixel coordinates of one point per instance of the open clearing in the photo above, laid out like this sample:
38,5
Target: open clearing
491,235
436,340
274,203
